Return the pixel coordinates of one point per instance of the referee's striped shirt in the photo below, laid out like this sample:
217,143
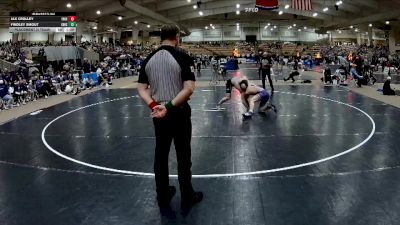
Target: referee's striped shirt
165,70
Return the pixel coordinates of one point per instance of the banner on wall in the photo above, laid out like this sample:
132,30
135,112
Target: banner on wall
267,4
92,76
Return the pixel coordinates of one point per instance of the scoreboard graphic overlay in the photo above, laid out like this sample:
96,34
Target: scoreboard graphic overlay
64,22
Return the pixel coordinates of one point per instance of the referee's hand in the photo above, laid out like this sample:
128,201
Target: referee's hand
158,111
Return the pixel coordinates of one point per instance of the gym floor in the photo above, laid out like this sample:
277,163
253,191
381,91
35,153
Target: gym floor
328,156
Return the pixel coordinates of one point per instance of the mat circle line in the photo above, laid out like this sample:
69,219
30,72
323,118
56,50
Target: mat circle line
43,134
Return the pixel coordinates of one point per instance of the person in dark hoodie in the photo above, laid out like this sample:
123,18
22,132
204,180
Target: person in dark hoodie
86,66
387,90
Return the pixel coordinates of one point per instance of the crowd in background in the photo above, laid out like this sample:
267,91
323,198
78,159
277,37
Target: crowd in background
43,79
52,78
11,52
374,55
23,86
109,49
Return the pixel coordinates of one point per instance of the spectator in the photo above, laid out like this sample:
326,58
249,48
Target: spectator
24,91
292,75
69,87
355,75
5,96
86,66
18,99
50,70
387,90
43,87
32,92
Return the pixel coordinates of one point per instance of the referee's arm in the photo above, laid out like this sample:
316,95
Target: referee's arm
143,87
144,93
188,78
184,95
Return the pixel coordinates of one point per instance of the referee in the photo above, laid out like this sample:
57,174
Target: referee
265,67
166,82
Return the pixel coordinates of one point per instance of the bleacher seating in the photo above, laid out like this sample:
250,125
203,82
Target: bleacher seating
288,49
196,49
225,50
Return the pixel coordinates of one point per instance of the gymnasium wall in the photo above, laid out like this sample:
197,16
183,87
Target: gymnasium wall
344,35
394,40
376,35
39,37
88,37
5,35
232,34
34,36
58,37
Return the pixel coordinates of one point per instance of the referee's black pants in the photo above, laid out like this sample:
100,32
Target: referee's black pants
175,126
264,74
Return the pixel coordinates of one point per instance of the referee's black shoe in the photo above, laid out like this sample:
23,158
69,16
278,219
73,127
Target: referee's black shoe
164,202
194,199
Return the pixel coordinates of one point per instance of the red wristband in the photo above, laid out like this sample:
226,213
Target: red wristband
153,104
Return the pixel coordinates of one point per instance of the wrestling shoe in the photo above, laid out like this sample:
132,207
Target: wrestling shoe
248,114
